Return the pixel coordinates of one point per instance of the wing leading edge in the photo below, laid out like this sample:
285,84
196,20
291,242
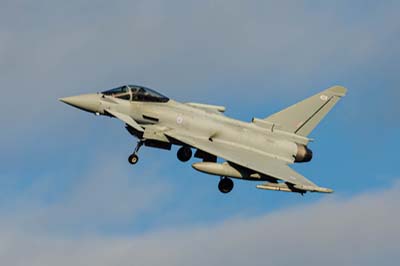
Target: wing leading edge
251,159
125,118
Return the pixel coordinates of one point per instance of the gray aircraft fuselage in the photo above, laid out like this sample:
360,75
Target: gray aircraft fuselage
161,122
199,122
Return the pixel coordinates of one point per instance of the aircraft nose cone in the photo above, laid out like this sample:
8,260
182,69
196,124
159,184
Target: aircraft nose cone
86,102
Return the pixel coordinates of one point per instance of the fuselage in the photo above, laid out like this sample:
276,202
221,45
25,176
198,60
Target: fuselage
210,125
205,123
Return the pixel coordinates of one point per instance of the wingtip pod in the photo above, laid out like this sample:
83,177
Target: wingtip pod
338,91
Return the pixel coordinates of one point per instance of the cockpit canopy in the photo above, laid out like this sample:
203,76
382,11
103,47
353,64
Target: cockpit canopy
136,93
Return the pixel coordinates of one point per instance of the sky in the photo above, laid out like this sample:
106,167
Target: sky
68,195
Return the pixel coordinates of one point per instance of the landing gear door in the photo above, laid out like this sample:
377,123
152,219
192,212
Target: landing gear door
155,133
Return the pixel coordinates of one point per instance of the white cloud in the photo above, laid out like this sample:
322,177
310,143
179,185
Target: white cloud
108,195
362,230
190,46
188,50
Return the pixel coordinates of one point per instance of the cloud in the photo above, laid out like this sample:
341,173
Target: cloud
103,197
188,50
187,47
251,53
362,230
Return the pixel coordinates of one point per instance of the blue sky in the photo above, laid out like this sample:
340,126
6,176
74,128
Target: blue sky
68,195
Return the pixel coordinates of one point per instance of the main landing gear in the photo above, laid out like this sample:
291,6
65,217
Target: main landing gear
134,158
225,185
184,154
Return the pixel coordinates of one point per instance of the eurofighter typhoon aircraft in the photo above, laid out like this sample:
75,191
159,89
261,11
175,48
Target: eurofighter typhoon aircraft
261,150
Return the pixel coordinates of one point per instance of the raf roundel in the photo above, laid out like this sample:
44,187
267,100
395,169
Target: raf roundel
179,120
324,97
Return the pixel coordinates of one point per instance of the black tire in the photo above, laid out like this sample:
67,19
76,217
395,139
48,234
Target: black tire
225,185
184,154
133,159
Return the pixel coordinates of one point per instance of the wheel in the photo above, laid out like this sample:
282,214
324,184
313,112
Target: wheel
184,154
133,159
225,185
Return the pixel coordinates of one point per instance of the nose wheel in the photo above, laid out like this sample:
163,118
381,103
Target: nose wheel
225,185
134,158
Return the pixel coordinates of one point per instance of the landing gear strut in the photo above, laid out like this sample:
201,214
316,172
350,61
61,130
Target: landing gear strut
134,158
225,185
184,154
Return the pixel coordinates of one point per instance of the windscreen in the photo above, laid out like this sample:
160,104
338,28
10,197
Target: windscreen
120,92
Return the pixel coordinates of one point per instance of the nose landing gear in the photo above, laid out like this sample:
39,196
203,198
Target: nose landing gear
225,185
134,158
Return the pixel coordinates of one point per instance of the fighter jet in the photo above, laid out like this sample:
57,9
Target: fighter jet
260,150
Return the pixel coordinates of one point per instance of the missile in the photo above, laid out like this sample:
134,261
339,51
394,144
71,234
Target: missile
225,169
275,186
294,188
314,189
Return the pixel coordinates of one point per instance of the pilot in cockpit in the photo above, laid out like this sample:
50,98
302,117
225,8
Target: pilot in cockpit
136,93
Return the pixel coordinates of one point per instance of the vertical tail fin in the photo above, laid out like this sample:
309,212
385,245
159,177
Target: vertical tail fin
304,116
